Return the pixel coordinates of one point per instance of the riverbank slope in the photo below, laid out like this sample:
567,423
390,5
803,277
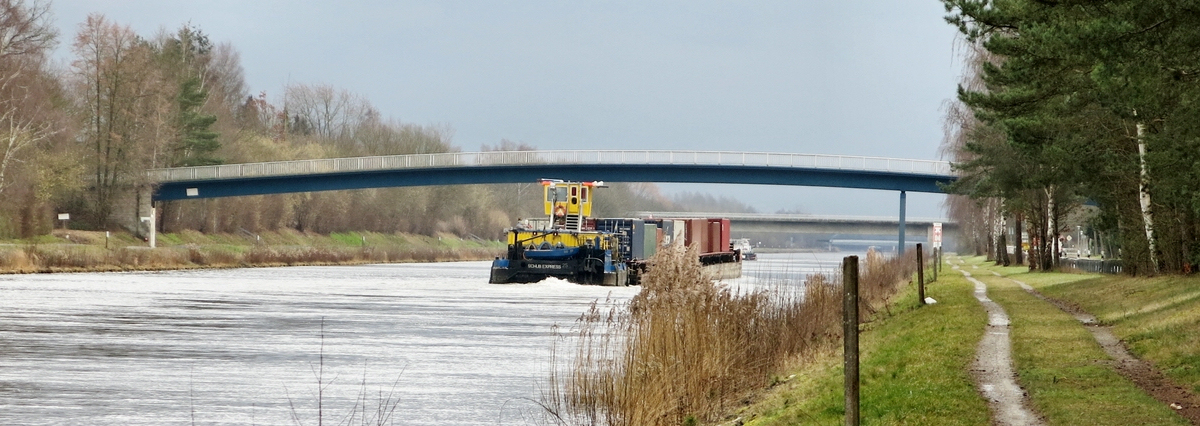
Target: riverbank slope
83,251
916,361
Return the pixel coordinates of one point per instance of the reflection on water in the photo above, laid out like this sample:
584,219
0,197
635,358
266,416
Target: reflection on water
243,346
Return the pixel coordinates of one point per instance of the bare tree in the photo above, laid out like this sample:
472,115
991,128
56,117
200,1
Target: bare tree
324,111
25,37
116,81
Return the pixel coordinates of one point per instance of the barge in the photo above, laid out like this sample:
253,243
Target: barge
569,243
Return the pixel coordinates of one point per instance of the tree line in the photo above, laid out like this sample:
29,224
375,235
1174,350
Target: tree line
79,140
1080,106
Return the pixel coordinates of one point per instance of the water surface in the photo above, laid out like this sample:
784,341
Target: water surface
245,346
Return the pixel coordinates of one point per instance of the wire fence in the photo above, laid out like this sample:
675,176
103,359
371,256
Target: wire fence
1109,266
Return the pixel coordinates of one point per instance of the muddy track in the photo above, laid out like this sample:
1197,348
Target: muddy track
1140,372
993,366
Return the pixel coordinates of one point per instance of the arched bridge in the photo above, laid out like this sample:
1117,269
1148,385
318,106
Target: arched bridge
758,168
526,166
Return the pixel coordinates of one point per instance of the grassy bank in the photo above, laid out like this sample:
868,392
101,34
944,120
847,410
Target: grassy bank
914,367
77,251
686,350
1158,318
1058,362
915,362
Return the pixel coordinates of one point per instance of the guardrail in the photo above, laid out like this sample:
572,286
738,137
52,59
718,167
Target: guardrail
513,158
1110,266
790,217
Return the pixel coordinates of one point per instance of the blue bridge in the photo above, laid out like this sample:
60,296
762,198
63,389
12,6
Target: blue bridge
755,168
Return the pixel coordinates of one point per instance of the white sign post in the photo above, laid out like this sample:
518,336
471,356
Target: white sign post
937,234
150,221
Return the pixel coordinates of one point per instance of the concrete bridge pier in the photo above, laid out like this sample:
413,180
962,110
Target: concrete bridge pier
146,216
900,248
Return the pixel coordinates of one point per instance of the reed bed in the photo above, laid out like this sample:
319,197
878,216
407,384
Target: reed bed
73,258
687,350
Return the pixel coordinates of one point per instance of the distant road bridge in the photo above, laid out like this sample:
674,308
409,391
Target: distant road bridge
756,168
811,224
837,230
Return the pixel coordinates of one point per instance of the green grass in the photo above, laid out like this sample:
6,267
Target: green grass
1067,375
914,367
1158,318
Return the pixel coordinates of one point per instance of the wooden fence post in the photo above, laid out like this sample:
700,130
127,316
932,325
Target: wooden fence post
920,274
850,336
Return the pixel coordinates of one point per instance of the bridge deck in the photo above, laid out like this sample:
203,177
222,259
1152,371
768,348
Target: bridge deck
514,158
758,168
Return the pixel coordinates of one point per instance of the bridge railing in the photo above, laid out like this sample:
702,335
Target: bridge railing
502,158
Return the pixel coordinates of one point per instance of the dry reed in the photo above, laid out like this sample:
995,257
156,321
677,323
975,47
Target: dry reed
688,350
64,257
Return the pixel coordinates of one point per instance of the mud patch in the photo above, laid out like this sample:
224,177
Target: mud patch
1142,373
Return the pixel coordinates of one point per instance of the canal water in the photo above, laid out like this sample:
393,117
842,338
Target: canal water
275,346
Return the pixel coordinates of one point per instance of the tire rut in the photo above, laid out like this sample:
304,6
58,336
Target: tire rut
1142,373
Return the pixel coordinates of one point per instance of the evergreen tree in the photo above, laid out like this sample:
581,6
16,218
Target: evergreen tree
195,145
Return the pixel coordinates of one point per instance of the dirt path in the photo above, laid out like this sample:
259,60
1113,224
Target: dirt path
993,367
1138,371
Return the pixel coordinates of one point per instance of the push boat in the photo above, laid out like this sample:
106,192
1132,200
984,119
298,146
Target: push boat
569,243
742,245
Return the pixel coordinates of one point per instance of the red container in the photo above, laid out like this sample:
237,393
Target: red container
697,234
722,235
714,237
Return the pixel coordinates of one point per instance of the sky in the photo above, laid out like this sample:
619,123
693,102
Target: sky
815,77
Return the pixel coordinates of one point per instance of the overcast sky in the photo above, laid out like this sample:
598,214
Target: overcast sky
820,77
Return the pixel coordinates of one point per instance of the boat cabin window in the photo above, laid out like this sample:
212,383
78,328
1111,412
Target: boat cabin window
561,193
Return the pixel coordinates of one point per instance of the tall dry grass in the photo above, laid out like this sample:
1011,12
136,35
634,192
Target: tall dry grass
688,350
65,257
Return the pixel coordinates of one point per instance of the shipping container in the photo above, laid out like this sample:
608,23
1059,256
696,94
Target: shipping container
697,234
714,237
723,236
651,240
638,239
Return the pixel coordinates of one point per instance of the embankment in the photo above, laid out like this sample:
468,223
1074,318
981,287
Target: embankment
916,362
86,251
687,350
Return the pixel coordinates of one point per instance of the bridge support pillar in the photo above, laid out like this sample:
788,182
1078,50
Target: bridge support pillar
146,214
900,247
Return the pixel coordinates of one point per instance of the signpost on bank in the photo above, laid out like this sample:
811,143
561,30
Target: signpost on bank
153,227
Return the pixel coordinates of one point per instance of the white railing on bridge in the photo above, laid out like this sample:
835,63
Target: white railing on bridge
503,158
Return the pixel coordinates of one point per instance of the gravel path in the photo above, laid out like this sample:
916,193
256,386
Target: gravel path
993,367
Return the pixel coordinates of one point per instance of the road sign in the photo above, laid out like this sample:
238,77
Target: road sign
937,234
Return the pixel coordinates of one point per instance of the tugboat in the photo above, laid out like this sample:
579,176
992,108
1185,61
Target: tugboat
571,244
743,246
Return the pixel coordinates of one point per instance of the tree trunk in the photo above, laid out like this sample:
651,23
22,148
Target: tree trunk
1018,252
1144,195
